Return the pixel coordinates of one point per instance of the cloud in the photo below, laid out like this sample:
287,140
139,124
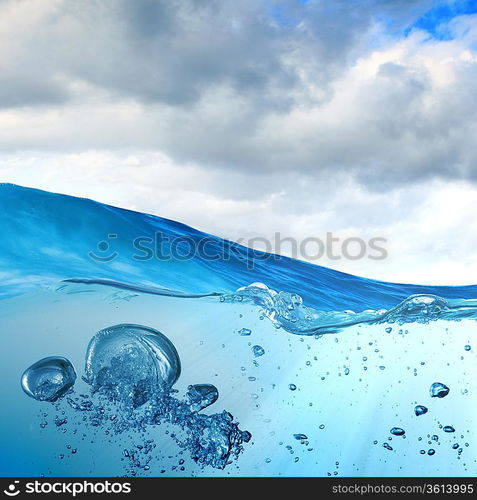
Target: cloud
255,86
172,52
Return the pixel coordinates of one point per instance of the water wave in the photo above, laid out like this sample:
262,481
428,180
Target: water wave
53,237
287,310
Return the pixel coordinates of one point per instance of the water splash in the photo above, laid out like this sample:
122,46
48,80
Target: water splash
288,311
49,378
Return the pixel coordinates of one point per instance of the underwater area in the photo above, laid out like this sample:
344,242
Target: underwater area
114,364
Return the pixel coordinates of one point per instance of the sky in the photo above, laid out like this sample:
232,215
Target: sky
255,117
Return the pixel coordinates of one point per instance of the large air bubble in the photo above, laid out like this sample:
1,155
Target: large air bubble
130,363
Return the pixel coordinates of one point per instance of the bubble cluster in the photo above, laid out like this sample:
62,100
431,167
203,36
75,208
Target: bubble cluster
131,370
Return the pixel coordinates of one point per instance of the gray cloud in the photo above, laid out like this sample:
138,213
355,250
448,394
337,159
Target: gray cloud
172,51
253,86
20,92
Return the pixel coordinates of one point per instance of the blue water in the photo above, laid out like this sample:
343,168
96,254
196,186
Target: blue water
241,363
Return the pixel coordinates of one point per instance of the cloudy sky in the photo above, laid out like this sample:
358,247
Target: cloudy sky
245,118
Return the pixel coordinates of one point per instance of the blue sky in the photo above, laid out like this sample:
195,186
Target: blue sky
435,21
255,117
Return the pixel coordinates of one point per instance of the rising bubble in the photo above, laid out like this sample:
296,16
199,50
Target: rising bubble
201,396
420,410
258,351
49,378
245,332
130,363
397,431
439,390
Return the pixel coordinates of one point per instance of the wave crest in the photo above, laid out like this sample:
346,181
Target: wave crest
287,310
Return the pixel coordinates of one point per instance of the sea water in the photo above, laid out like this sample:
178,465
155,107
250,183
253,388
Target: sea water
106,372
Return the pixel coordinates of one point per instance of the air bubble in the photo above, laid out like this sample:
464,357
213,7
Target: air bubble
49,378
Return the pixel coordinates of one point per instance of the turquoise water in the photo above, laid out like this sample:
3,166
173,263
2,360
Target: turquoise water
247,365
